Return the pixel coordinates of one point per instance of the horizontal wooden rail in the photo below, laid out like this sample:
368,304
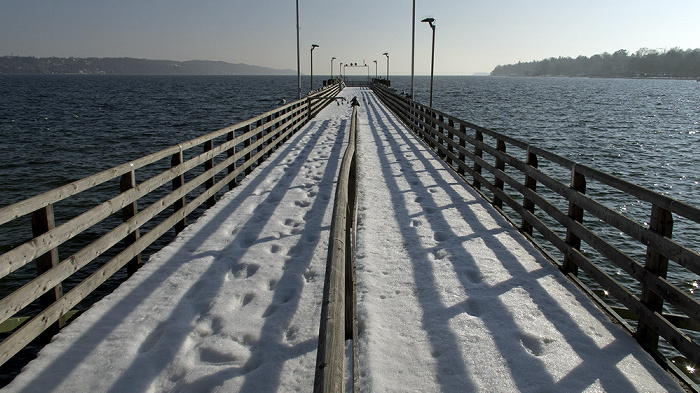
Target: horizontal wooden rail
489,159
225,156
338,310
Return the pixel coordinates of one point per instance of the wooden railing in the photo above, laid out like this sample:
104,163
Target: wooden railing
338,310
472,150
222,157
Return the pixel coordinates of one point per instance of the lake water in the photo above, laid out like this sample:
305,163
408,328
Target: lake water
57,129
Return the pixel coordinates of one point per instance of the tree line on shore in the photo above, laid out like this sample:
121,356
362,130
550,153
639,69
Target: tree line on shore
644,63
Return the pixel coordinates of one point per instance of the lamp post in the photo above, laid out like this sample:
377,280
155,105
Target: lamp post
431,22
298,61
387,65
375,69
340,70
314,46
332,58
413,45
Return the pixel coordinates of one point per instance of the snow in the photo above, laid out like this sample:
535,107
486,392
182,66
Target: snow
450,296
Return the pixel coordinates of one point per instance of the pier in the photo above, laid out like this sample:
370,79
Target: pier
375,245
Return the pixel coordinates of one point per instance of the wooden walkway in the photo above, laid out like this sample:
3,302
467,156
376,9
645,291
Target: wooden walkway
451,297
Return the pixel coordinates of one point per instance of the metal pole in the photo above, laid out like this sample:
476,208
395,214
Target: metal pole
432,64
312,66
387,65
375,70
332,58
298,58
431,22
413,46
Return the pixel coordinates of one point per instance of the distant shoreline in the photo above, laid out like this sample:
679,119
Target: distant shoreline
28,65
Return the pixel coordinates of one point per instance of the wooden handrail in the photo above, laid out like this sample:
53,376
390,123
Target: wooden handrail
338,310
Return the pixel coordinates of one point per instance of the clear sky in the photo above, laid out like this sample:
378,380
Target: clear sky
471,36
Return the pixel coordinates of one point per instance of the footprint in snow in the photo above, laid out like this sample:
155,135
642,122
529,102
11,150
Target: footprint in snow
302,203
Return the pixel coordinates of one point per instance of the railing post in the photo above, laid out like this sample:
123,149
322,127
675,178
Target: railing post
259,138
451,137
439,135
501,166
530,183
246,143
178,181
463,145
578,183
308,106
127,182
478,152
432,131
42,222
230,153
209,164
662,223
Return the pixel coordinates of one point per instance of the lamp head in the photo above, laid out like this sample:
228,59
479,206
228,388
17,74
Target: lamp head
332,58
431,22
314,46
386,54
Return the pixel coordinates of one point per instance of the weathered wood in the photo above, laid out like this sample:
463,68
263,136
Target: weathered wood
43,222
337,310
208,164
501,166
530,183
177,183
578,183
229,153
661,222
478,152
128,181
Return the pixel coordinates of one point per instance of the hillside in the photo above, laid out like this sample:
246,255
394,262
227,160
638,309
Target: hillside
128,66
644,63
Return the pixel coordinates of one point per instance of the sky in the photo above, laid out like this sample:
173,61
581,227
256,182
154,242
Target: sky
471,37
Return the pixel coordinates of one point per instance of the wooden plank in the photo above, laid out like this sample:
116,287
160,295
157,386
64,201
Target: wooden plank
209,164
128,181
531,184
661,222
43,222
177,183
229,153
578,184
330,360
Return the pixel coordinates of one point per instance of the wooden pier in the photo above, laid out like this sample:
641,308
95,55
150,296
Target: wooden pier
195,173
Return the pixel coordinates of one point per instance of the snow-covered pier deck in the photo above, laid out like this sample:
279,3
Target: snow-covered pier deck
451,297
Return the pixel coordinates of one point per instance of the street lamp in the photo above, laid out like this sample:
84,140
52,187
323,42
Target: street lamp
298,61
314,46
332,58
413,46
340,70
431,22
375,69
387,65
